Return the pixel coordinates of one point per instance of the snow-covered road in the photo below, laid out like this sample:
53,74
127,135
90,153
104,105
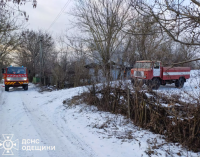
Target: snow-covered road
26,114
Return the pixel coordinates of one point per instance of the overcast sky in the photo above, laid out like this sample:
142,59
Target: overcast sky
45,13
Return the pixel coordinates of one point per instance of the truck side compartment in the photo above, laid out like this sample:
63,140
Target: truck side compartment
175,73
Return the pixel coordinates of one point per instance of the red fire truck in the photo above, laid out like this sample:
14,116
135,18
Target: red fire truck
153,74
15,77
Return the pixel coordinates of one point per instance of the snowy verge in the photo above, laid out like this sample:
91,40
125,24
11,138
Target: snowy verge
114,135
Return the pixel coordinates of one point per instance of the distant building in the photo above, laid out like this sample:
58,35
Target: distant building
117,71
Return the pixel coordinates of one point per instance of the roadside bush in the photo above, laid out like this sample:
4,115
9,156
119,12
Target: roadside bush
179,123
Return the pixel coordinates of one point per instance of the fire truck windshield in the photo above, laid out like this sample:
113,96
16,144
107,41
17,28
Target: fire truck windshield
143,65
16,70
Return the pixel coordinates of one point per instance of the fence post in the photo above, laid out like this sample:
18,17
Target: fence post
128,103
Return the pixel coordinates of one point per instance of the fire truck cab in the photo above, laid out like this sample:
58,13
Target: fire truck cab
153,74
15,77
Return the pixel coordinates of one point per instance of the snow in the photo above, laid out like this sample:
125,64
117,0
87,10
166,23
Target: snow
80,130
190,90
112,135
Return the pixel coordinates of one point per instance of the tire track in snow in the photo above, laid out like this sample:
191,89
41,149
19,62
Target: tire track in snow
67,145
14,120
62,125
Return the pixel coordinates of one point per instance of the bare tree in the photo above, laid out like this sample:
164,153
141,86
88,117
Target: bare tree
9,38
10,23
71,62
103,23
29,52
15,5
179,19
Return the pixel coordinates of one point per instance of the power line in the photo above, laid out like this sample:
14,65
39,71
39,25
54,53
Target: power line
59,14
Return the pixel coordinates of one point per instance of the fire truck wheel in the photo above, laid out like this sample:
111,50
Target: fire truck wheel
179,83
25,87
6,88
155,83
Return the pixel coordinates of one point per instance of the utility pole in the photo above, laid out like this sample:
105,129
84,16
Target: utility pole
41,60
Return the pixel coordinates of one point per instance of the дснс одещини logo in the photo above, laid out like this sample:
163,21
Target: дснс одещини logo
8,145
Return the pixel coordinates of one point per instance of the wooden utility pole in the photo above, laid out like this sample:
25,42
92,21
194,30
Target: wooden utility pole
41,60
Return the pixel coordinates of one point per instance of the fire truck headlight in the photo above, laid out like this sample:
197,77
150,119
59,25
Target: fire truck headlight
25,79
8,79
